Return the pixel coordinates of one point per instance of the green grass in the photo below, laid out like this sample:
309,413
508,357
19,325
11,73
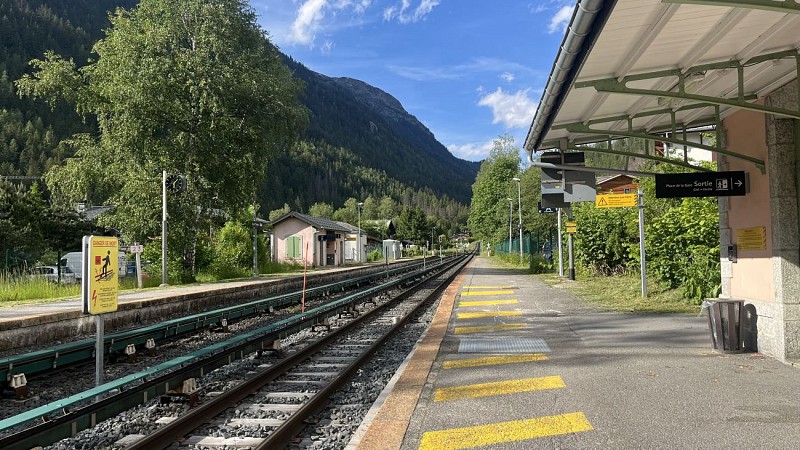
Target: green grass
16,289
623,293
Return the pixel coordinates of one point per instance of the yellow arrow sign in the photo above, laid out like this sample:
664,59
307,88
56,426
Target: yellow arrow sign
615,200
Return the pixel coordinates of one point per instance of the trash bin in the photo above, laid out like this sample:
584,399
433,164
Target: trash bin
725,323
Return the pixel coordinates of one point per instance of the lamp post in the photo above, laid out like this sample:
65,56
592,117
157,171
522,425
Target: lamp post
519,205
358,246
510,215
433,233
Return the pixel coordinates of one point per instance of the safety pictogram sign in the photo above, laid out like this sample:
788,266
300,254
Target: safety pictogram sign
99,286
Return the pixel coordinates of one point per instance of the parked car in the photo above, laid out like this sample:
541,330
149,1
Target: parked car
50,273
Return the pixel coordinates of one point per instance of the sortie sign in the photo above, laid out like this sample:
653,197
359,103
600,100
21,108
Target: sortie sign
701,184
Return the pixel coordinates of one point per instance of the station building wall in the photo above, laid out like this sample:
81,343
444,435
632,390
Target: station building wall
768,280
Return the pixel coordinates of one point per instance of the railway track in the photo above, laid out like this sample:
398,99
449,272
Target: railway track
78,412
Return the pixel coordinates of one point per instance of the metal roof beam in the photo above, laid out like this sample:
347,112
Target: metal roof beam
582,128
639,155
619,86
785,6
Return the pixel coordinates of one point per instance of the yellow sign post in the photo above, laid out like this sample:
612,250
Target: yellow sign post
615,200
100,283
99,287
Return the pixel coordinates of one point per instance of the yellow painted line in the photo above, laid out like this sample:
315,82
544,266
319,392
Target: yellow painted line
482,314
512,301
498,388
494,360
479,329
472,294
497,433
488,287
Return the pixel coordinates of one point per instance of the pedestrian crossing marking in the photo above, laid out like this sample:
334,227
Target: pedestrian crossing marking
483,314
498,388
512,301
497,433
498,292
494,360
479,329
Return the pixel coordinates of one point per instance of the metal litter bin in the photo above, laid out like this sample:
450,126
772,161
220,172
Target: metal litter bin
725,323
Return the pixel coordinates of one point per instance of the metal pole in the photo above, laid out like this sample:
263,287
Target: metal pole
571,250
560,250
255,249
358,246
643,263
164,228
519,209
98,350
510,215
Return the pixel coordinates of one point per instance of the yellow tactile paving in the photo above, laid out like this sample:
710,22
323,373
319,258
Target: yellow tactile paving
512,301
466,288
483,314
476,293
494,360
487,328
512,431
498,388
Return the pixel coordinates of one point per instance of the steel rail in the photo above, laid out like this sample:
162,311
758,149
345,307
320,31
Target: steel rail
66,417
180,427
65,355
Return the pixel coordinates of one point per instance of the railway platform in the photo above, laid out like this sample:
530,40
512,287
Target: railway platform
511,363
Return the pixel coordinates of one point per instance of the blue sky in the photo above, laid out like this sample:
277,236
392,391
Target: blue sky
469,70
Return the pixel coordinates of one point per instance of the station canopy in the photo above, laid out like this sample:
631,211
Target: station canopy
654,69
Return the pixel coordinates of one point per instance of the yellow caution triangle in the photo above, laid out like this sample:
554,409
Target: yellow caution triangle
603,201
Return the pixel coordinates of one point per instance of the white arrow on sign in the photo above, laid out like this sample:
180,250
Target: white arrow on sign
738,183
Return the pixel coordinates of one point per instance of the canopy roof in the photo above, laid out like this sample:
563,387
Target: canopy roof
629,68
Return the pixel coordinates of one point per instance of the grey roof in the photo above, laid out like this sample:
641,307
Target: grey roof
318,222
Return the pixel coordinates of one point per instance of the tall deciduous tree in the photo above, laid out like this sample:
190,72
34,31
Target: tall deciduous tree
488,214
187,86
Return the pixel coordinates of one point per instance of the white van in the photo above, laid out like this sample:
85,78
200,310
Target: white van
73,261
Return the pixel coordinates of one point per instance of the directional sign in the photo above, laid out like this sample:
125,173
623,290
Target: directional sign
701,184
616,200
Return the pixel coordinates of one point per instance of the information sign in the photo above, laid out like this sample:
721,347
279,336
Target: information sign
616,200
99,284
701,184
136,248
754,238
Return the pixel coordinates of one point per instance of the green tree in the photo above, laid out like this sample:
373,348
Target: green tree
277,213
488,214
187,86
323,210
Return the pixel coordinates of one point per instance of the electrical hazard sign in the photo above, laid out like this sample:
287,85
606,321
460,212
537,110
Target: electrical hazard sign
99,285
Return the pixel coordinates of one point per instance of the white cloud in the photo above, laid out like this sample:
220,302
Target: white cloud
507,76
512,110
308,21
471,151
311,15
560,20
405,13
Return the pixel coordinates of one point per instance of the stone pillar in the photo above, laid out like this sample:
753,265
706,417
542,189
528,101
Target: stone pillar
783,160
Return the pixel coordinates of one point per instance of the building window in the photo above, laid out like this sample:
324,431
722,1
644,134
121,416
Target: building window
294,245
627,190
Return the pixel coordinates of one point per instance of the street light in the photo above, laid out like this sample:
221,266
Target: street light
358,246
510,213
519,204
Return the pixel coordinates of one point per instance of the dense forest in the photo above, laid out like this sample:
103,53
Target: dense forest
351,148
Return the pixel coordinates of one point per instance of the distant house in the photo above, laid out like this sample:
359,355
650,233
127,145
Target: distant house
617,184
298,237
351,243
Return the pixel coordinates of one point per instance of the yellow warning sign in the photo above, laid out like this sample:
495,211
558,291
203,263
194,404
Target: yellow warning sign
754,238
99,285
572,229
615,200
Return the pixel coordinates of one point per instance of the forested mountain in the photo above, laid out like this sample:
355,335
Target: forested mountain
360,140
